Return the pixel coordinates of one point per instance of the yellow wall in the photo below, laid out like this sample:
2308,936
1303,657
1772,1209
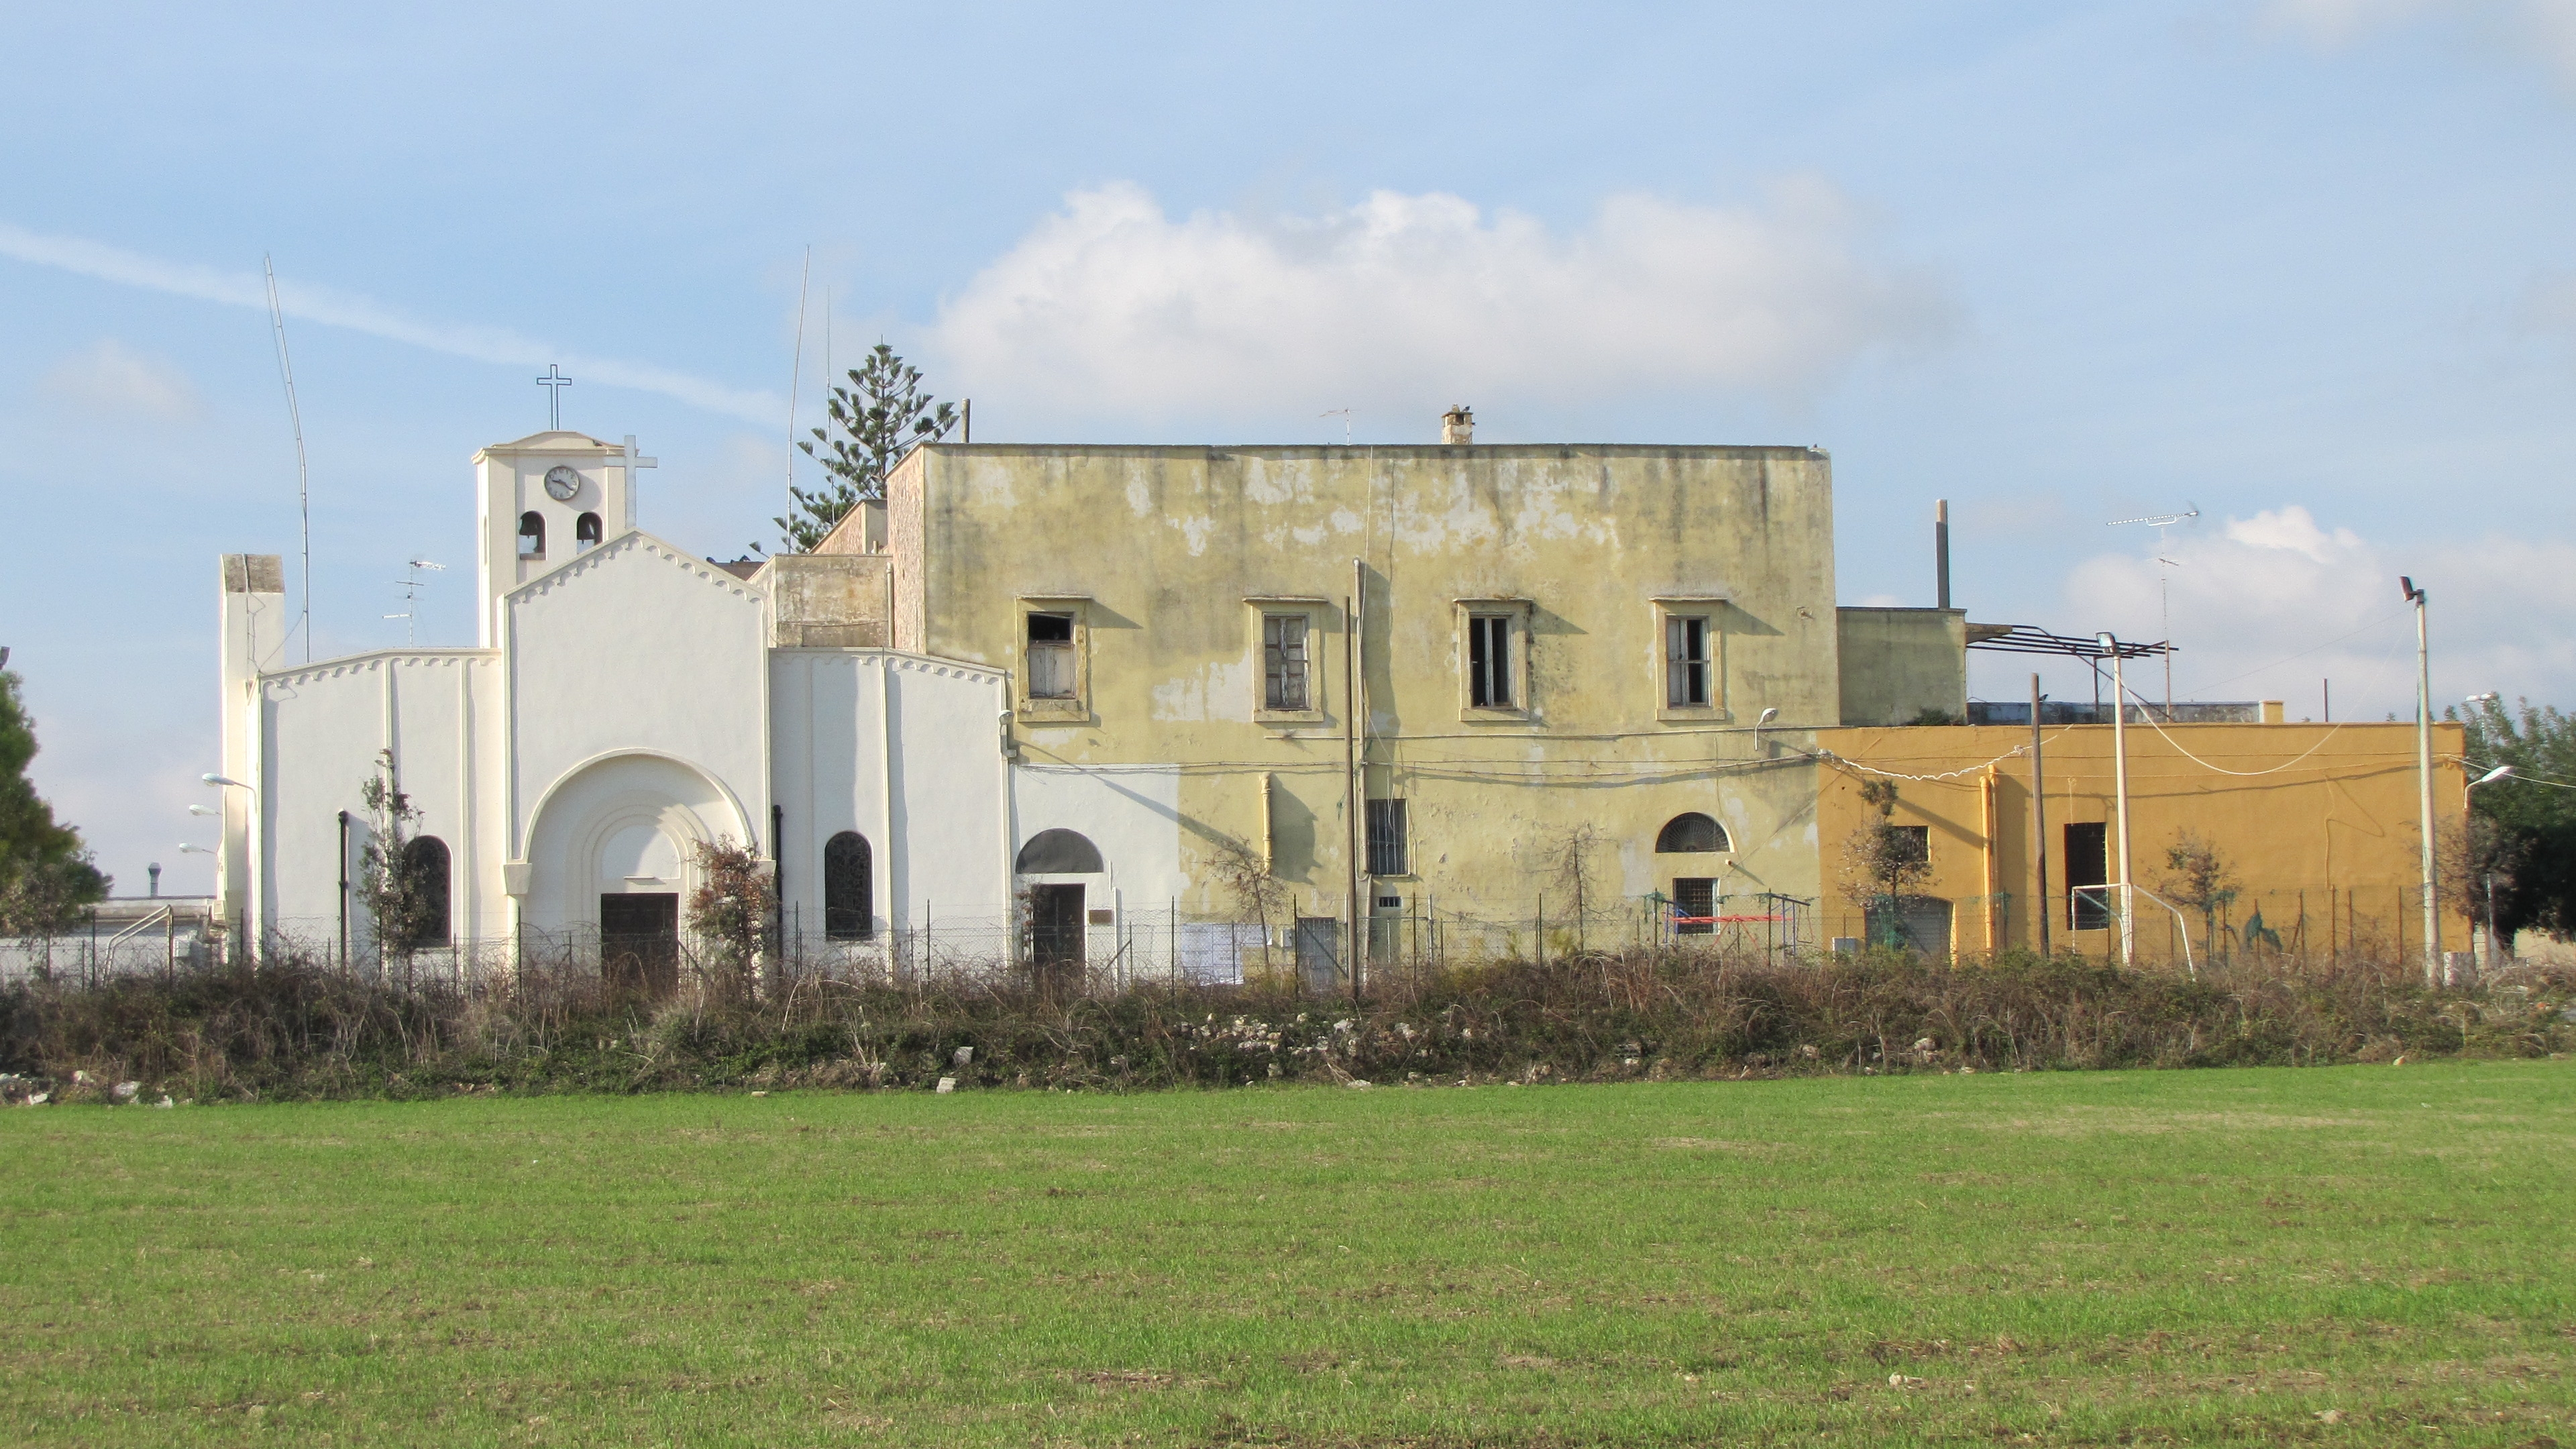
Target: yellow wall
2324,841
1162,552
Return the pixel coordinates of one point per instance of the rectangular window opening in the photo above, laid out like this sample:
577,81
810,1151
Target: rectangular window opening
1489,661
1284,675
1051,656
1388,850
1686,661
1695,906
2088,877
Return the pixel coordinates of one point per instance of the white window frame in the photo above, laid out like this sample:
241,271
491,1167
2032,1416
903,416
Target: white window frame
1516,614
1673,609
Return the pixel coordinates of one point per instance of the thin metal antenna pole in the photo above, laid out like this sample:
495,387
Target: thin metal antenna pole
295,416
796,377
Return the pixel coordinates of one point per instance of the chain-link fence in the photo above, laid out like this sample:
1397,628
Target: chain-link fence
1102,951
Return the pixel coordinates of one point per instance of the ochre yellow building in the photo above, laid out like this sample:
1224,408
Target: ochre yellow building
2316,824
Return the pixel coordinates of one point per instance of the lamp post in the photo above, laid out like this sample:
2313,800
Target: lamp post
2120,788
2424,781
2500,772
250,819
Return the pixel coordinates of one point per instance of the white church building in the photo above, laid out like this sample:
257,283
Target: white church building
623,701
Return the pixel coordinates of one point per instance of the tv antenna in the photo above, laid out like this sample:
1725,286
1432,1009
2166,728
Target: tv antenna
2164,587
295,416
411,583
1345,415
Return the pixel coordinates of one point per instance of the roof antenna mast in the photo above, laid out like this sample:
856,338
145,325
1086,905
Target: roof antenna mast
2164,586
295,416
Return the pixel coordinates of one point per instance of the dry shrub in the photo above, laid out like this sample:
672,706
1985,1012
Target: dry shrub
294,1029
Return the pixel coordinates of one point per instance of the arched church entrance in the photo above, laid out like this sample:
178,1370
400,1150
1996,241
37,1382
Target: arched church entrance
614,851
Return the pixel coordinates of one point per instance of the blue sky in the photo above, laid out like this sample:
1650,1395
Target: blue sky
2309,265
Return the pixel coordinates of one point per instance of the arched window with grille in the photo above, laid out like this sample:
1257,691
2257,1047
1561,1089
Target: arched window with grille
585,532
425,872
849,890
1691,833
532,535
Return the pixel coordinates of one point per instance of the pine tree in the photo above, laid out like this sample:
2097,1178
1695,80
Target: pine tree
46,877
882,415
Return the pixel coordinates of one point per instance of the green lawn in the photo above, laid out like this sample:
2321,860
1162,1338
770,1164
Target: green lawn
2336,1256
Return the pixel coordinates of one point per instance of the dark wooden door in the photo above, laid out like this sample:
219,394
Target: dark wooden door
639,942
1056,935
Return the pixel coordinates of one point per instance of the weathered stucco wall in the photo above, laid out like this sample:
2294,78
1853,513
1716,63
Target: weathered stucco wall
1897,663
2323,843
1167,558
828,601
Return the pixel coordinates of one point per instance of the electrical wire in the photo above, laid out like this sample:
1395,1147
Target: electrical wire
2150,719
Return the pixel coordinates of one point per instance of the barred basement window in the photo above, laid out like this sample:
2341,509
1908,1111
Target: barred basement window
1388,851
1695,906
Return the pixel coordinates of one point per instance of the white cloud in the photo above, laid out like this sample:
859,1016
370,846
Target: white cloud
2269,605
1424,299
357,313
116,382
2545,29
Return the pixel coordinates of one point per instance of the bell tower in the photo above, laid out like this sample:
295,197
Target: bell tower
542,502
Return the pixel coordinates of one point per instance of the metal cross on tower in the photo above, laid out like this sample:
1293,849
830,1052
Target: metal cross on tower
554,382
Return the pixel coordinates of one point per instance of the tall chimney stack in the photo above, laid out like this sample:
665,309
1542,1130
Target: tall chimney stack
1458,425
1941,549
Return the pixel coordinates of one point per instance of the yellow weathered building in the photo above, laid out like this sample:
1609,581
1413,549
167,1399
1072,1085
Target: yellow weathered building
1603,694
2316,826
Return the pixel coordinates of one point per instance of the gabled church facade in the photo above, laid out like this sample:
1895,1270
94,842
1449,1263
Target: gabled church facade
625,700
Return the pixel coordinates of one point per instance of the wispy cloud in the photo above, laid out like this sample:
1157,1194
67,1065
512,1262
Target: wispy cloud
112,380
1112,303
333,308
2266,606
2534,29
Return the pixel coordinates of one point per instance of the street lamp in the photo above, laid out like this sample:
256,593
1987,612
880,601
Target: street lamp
2500,772
250,848
2120,779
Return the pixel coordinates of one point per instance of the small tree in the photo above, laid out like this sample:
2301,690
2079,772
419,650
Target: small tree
2201,879
1884,862
1256,892
882,415
730,912
1569,871
2479,863
47,879
393,894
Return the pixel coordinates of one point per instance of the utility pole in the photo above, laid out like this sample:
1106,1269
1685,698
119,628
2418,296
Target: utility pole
2120,787
2039,816
2424,781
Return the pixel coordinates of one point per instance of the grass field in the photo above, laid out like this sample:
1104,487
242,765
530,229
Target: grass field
2332,1256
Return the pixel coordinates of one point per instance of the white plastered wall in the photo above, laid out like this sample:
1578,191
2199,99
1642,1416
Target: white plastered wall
907,752
1131,813
323,729
637,691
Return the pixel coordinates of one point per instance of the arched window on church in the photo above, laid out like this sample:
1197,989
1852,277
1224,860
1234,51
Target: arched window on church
532,536
424,871
585,533
849,892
